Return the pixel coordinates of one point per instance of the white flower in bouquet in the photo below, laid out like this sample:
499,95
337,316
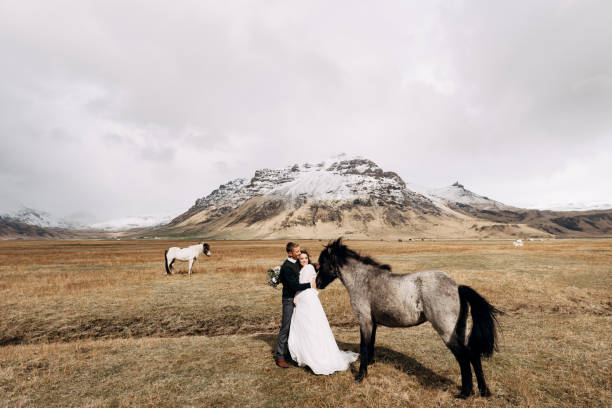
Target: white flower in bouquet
273,276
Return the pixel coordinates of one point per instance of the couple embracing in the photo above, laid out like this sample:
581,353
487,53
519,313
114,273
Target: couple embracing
305,330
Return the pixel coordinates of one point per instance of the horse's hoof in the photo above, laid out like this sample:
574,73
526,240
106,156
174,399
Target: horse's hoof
485,393
464,395
359,378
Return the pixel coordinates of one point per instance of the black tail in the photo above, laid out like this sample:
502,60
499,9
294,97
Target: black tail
166,261
483,338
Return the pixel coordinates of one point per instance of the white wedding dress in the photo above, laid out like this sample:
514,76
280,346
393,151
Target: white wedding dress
311,341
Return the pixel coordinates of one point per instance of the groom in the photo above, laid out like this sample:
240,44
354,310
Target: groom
290,278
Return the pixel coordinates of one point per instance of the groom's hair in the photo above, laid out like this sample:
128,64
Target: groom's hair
291,245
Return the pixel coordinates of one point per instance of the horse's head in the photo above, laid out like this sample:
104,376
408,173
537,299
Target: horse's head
205,249
331,259
334,256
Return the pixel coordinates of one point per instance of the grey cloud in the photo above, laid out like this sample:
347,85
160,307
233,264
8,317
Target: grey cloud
492,94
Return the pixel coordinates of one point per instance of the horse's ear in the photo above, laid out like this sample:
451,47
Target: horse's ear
340,247
336,245
340,252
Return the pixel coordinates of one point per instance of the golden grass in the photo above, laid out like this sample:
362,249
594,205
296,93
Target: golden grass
98,323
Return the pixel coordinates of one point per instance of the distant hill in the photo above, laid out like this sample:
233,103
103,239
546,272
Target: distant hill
29,223
10,229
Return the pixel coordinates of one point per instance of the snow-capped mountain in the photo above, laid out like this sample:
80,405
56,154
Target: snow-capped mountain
353,196
458,194
83,221
127,223
340,179
38,218
341,196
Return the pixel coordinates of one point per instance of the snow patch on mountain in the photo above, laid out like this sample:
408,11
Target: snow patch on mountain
319,185
38,218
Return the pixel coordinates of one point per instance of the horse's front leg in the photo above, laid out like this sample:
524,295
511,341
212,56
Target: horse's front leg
371,344
191,264
366,325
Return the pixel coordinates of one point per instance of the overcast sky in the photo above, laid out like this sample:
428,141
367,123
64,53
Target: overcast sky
123,108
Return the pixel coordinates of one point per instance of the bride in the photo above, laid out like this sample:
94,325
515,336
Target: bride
311,341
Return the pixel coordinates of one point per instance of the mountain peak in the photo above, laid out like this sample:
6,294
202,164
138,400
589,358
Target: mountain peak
458,194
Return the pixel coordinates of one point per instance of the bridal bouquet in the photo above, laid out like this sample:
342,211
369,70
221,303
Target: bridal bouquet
273,276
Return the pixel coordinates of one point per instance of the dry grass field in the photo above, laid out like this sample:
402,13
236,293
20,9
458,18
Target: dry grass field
98,323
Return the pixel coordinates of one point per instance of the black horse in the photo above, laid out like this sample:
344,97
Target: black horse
379,297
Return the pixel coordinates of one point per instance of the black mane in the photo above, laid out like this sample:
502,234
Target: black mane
341,253
369,261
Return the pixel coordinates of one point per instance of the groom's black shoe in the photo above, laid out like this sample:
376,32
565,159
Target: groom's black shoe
282,363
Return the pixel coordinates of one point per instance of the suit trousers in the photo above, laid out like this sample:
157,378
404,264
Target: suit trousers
283,334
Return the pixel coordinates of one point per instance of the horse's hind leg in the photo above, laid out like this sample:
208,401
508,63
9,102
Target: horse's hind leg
482,384
462,354
453,335
454,338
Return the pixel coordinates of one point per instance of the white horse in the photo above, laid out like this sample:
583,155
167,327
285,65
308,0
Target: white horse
190,254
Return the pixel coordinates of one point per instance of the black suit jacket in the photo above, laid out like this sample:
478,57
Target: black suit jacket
290,278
